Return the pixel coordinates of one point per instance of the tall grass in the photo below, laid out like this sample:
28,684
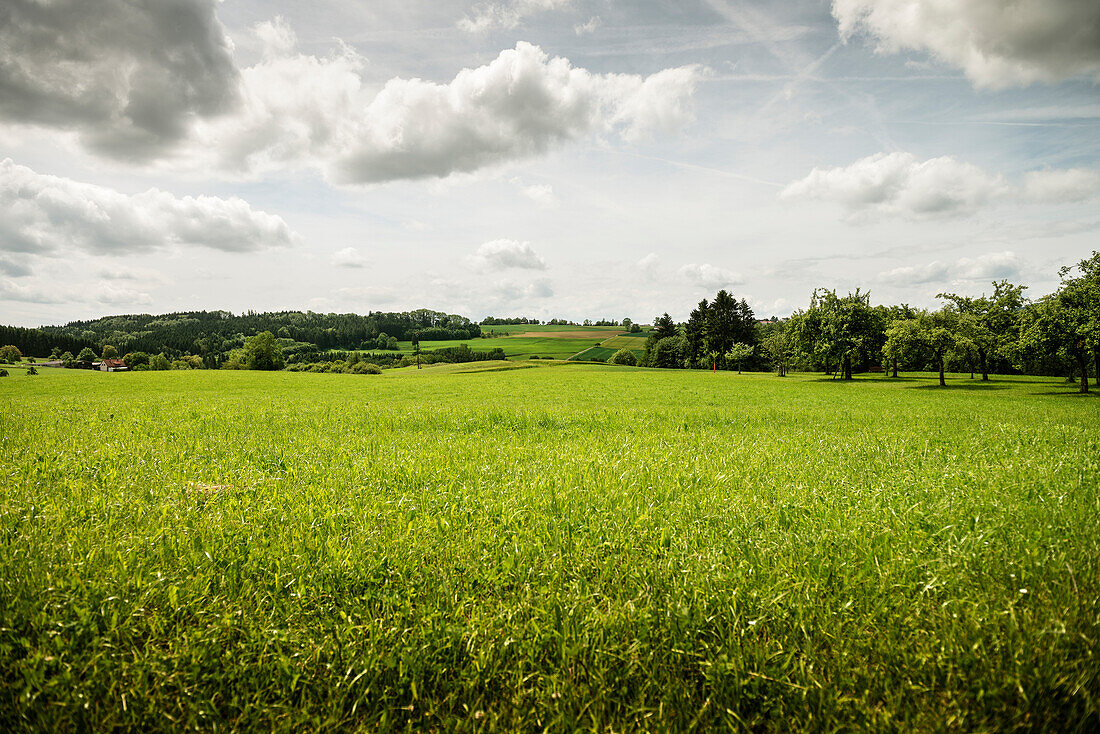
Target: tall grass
551,548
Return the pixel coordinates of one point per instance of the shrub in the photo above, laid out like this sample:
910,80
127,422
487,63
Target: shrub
534,356
623,357
31,371
3,373
10,354
371,369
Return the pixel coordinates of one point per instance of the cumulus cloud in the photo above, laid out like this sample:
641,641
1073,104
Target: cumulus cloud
988,267
129,76
144,79
507,15
48,214
996,43
506,254
898,184
304,110
517,106
709,276
349,257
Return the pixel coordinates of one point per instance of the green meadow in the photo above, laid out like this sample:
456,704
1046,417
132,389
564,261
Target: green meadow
523,341
522,546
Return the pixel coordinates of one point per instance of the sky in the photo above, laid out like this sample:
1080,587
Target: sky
546,158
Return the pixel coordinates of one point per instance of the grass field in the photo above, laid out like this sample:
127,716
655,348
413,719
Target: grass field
634,342
547,547
524,340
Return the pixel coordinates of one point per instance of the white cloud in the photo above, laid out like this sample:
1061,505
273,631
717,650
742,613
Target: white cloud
31,293
897,184
506,254
1062,187
112,295
989,267
997,43
349,257
507,15
129,76
541,194
588,26
318,112
709,276
650,267
295,109
48,214
517,106
141,80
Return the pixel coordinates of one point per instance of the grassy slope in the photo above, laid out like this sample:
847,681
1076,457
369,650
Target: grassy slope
522,341
559,546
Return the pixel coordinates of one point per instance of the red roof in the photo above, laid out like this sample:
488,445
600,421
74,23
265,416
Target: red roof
114,363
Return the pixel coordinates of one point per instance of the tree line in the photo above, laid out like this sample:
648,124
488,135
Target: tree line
1002,331
212,334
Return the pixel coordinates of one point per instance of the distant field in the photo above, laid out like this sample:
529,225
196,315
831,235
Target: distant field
557,342
632,341
529,546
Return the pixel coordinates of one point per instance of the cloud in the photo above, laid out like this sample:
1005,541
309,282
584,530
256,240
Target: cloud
518,106
709,275
112,295
1062,187
48,214
349,257
14,268
507,15
988,267
541,194
154,79
26,293
997,43
141,275
318,112
897,184
589,26
129,76
650,267
505,254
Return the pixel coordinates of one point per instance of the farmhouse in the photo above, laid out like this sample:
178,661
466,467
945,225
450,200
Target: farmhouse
112,365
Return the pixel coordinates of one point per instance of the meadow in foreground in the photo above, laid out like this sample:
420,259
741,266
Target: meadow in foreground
556,547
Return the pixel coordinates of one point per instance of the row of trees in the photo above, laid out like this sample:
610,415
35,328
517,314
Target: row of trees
213,333
1002,331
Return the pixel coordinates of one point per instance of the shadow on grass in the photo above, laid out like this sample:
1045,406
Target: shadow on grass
959,386
1073,392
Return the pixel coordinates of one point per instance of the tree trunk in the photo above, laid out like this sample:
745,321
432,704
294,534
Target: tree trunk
847,367
895,366
985,365
1096,354
943,383
1084,365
